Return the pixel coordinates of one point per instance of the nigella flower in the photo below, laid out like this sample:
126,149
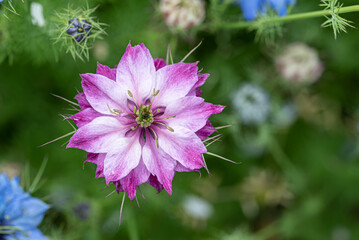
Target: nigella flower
20,214
79,29
252,104
299,63
251,8
143,121
183,14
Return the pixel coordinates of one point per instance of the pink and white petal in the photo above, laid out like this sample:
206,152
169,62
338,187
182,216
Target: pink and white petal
85,116
159,63
119,163
183,145
206,131
191,112
159,163
136,72
153,181
103,93
106,71
102,135
81,99
195,91
174,82
136,177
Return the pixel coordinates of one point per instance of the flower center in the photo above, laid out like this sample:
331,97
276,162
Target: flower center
80,29
144,115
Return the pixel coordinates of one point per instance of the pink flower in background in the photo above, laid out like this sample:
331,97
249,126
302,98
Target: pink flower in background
143,121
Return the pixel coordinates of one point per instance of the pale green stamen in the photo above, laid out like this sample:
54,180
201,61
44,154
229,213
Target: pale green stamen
114,111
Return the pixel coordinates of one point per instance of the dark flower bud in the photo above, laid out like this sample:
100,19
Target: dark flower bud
82,211
79,29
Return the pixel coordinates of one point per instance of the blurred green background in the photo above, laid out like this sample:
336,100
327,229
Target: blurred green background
310,167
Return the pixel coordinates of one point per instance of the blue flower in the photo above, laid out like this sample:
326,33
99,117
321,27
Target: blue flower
251,8
20,214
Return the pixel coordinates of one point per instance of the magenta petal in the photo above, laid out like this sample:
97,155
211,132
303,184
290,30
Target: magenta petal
183,145
102,135
85,116
153,181
136,177
127,156
81,99
195,91
191,112
159,163
206,131
106,71
201,79
174,82
159,63
136,72
102,93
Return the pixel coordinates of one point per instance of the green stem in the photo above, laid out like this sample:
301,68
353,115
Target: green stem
280,157
288,18
132,226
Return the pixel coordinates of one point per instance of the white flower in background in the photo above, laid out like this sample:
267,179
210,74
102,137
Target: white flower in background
37,14
299,63
252,104
197,207
285,115
183,14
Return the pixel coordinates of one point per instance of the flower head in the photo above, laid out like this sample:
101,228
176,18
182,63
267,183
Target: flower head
20,214
251,104
251,8
143,120
299,64
79,29
183,14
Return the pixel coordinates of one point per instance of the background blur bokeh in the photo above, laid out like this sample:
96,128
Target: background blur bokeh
298,168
